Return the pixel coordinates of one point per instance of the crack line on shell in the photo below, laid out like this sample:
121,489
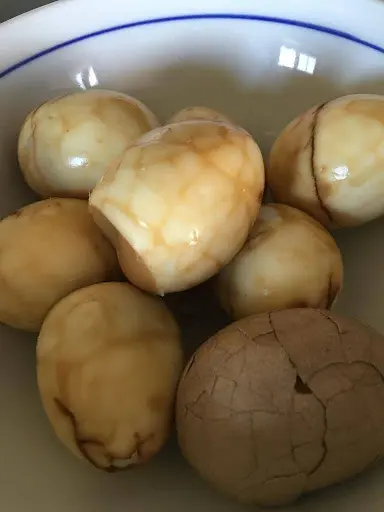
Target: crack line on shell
328,316
323,406
196,400
230,355
323,441
352,388
271,479
277,477
249,337
341,333
189,410
243,333
233,413
313,158
337,363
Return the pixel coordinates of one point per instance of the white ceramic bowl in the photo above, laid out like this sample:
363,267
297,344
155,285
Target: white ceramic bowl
259,62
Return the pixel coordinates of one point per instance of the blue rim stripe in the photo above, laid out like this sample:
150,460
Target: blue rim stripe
226,16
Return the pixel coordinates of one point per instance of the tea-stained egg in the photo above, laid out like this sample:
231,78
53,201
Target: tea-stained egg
329,161
284,403
180,203
66,144
109,358
289,260
48,249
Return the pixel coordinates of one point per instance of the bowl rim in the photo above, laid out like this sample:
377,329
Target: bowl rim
21,43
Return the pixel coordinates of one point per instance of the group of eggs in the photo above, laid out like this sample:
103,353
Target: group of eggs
168,207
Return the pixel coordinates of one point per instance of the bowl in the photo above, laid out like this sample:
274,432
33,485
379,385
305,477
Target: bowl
261,63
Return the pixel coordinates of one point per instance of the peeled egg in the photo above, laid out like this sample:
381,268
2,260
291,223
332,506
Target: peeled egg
180,203
195,113
66,143
329,162
108,361
288,261
48,249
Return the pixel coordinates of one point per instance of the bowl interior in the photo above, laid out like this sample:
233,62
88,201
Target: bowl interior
260,72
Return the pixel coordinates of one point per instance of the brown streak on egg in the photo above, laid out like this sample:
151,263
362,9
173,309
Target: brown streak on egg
85,443
313,160
79,442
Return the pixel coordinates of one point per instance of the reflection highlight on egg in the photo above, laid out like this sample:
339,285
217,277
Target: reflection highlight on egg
67,143
197,185
340,173
77,161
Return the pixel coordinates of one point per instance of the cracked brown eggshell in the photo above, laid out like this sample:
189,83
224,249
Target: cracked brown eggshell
180,203
329,161
48,249
66,143
289,260
108,361
280,404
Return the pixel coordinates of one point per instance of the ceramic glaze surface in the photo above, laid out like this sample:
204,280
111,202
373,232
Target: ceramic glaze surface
259,63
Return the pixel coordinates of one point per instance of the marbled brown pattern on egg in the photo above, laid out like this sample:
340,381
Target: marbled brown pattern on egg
183,200
67,143
289,260
329,162
108,361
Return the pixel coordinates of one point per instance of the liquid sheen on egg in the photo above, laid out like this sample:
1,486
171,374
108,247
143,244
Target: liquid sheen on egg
180,203
66,144
329,161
